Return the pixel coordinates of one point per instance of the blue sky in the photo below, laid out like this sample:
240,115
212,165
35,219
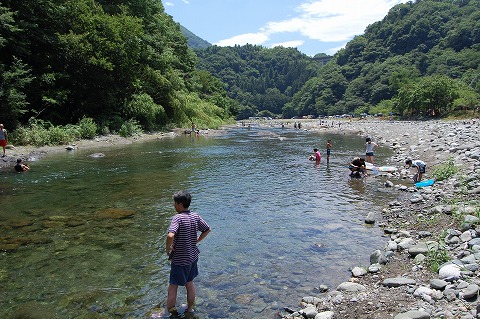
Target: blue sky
311,26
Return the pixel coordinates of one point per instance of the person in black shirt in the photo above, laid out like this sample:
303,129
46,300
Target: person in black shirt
20,167
357,167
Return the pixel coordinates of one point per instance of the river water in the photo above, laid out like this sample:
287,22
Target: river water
281,225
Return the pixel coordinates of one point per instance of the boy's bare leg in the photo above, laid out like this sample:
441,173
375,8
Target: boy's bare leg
171,296
190,295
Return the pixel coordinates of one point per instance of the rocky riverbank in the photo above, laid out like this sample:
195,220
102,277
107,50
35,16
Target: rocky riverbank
430,264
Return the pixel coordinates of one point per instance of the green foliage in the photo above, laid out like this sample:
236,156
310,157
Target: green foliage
445,171
428,95
39,132
13,83
87,128
130,128
437,257
420,57
259,78
65,60
145,111
385,107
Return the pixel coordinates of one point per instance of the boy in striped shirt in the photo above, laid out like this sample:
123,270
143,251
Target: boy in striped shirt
182,250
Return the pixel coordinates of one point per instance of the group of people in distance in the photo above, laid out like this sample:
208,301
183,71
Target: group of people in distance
358,167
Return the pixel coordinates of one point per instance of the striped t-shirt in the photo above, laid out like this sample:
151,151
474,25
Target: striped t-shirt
185,226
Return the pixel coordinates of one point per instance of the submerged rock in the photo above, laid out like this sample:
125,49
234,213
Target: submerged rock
115,213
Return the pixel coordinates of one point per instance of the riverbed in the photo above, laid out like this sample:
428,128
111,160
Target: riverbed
84,234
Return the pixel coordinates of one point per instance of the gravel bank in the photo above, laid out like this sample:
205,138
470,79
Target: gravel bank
435,227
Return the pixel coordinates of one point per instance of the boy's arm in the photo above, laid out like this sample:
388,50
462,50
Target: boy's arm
169,243
203,235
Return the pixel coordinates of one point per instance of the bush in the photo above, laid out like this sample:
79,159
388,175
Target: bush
39,133
445,171
130,128
87,128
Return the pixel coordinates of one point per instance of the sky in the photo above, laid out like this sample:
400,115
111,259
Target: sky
311,26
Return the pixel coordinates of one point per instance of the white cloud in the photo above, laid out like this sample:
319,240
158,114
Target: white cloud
288,44
169,4
242,39
333,20
322,20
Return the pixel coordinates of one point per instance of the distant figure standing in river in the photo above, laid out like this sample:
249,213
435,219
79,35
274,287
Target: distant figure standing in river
182,250
369,148
3,138
329,147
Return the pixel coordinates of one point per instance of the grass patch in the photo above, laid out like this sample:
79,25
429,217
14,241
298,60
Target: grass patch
445,171
437,257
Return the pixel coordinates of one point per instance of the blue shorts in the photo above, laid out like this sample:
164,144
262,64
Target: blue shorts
369,154
180,275
328,151
422,168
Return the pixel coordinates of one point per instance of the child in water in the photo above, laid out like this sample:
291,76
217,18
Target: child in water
316,156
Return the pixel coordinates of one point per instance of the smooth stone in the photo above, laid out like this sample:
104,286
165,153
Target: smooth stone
438,284
413,314
351,287
449,272
398,281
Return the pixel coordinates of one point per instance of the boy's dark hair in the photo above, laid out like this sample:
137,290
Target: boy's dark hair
408,162
183,197
315,149
368,139
19,160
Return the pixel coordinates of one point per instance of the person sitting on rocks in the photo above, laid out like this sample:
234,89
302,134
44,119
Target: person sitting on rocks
419,165
358,167
20,167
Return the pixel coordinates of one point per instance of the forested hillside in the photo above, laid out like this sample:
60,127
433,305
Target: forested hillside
423,58
262,80
113,61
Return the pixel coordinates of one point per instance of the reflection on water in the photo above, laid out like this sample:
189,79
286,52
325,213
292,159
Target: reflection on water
82,236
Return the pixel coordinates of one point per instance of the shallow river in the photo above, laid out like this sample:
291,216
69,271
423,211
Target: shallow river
281,225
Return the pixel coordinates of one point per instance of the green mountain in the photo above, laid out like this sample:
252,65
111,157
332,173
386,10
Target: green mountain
261,80
423,58
193,41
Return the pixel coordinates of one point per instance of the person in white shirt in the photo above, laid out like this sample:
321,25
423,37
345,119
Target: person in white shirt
420,166
370,147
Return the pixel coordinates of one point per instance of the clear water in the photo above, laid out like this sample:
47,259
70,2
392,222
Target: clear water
281,225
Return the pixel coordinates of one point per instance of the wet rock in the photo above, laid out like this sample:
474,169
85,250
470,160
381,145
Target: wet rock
34,310
115,213
97,155
358,271
370,219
